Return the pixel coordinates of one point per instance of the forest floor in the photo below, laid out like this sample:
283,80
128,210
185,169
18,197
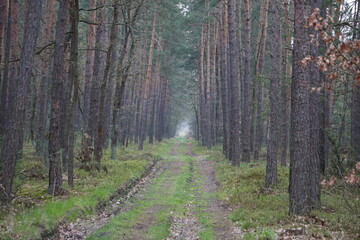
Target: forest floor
178,200
178,190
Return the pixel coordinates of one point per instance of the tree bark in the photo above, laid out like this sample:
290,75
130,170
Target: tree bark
355,110
246,86
97,78
234,120
153,99
15,130
285,90
262,36
315,128
74,80
276,59
122,73
300,151
224,82
109,60
89,65
11,53
3,17
202,98
46,37
208,78
145,96
55,171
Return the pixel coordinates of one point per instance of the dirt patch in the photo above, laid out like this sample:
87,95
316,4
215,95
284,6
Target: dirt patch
173,150
224,228
147,219
189,150
185,227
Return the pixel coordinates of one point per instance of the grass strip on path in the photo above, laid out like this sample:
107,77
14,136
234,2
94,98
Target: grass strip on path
172,206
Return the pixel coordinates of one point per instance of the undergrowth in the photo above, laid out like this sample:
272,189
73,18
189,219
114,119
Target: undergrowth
33,212
263,212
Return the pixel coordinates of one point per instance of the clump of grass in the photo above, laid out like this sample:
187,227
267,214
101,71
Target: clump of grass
260,234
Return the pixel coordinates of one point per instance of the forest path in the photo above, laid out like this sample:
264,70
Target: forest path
177,201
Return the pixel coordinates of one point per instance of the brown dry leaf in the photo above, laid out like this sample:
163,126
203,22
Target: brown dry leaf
357,44
329,87
331,19
323,68
357,166
305,60
324,183
345,48
332,76
332,180
325,24
327,38
351,178
318,26
357,79
321,62
345,65
355,60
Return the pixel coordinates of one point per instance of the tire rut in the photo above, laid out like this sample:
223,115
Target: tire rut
119,202
223,227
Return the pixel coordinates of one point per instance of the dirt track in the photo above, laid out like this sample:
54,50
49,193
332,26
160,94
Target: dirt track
154,202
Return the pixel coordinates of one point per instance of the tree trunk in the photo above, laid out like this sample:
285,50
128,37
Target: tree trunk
208,78
46,37
300,115
224,84
355,111
15,130
276,59
155,87
247,86
215,89
11,54
3,16
262,36
234,88
73,79
285,103
55,171
121,78
109,60
202,89
315,128
97,78
145,96
162,106
89,65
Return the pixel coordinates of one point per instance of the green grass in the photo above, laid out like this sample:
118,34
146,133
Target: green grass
24,221
184,190
261,211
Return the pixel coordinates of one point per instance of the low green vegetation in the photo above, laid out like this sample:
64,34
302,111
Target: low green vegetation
262,212
175,194
34,213
170,197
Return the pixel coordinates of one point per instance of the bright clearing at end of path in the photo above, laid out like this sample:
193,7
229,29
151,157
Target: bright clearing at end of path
183,129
